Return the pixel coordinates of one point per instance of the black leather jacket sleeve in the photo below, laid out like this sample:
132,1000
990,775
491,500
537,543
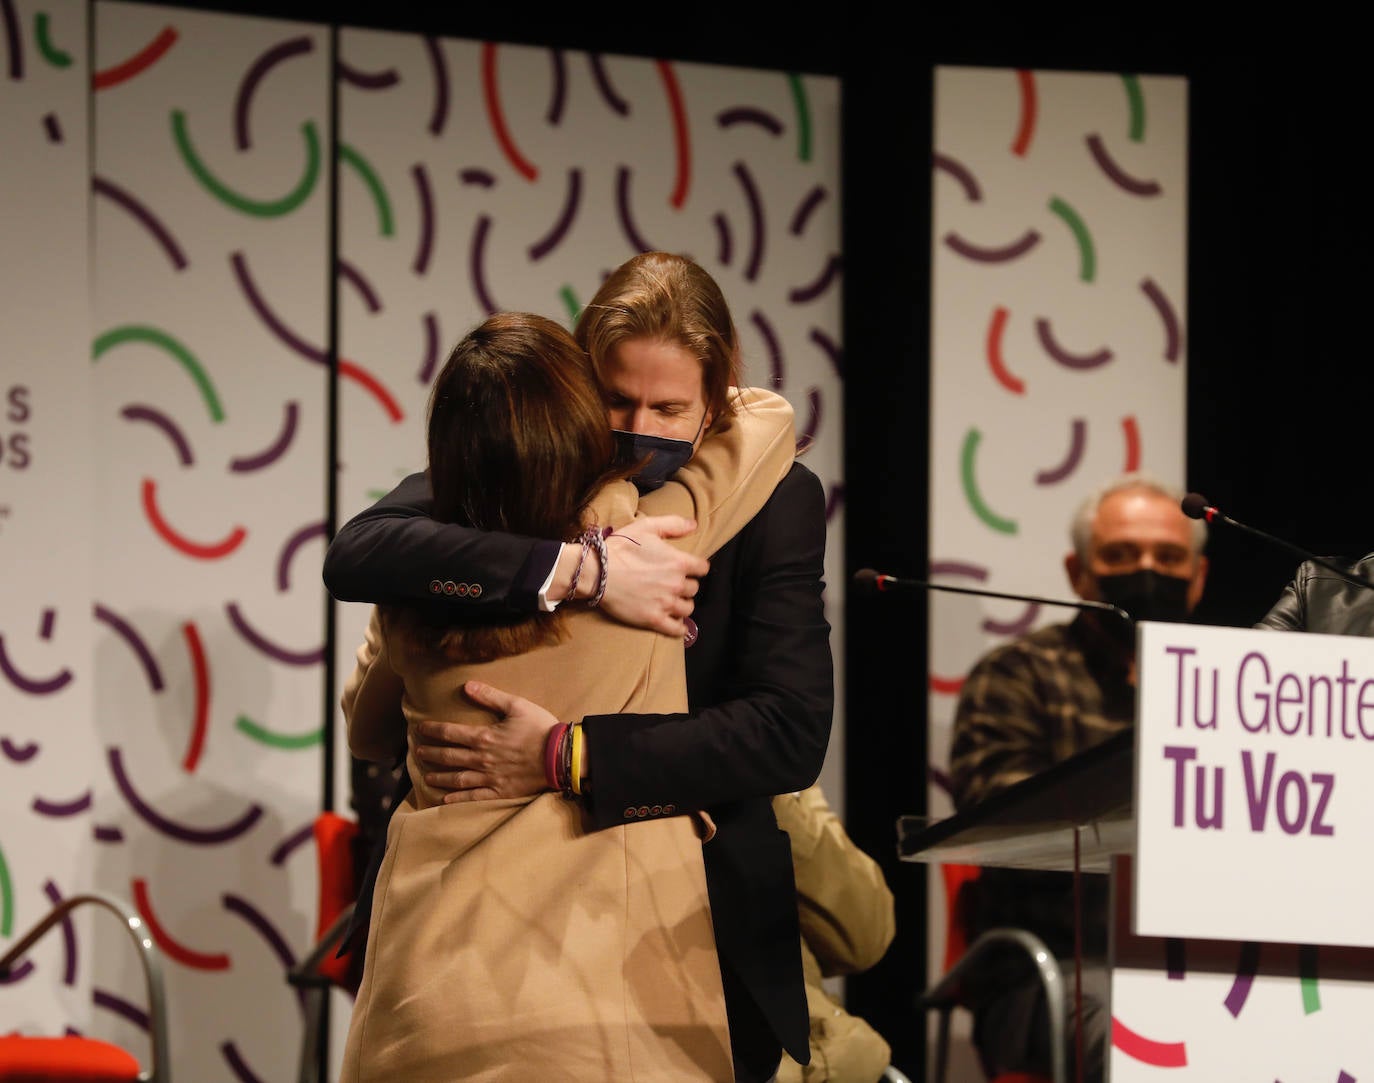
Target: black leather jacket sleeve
394,552
1319,600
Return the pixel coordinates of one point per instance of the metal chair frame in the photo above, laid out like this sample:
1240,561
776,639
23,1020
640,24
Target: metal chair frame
945,995
305,975
159,1061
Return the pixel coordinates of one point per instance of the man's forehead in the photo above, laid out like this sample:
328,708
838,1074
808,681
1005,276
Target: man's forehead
1140,515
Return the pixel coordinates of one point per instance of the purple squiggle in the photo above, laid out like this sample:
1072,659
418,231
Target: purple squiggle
1078,440
356,279
961,173
563,223
169,428
770,339
31,685
755,204
44,807
805,209
305,534
255,917
622,206
618,105
198,835
256,302
804,294
559,97
256,638
18,753
291,843
237,1064
477,263
68,935
439,115
365,80
431,348
426,198
141,214
728,118
724,241
960,568
1013,627
260,67
830,348
136,644
275,450
16,43
103,998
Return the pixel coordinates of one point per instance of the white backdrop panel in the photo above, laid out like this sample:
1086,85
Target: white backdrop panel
46,756
1058,340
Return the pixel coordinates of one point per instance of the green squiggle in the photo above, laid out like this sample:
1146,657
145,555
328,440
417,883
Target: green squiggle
142,333
1087,256
51,53
975,499
803,117
374,184
278,740
262,208
570,302
1137,99
1311,998
6,899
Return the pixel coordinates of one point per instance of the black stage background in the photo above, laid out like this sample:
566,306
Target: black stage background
1276,335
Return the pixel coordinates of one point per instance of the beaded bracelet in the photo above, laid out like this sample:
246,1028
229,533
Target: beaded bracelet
598,539
577,571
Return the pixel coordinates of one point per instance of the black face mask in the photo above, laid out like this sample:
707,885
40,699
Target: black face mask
665,456
1145,595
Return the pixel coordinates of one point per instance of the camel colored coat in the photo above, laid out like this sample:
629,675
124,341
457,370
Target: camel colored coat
509,940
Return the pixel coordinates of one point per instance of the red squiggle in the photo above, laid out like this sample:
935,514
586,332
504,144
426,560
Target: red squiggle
948,686
1029,108
498,120
1132,433
192,549
184,955
1147,1050
370,383
995,360
145,58
681,138
202,719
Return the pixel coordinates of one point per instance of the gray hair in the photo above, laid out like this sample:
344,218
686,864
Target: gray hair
1081,528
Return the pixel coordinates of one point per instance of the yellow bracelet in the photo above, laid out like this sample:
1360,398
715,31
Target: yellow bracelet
576,772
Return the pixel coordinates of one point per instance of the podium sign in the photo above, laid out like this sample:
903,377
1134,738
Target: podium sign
1254,773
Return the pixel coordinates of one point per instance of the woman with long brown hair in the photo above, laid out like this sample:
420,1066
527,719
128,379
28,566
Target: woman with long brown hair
508,939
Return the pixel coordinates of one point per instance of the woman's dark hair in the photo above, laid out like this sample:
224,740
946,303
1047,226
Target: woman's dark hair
518,443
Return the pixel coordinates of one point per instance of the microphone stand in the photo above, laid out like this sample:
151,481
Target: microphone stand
1115,609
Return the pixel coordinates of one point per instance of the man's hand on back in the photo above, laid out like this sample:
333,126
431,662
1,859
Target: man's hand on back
463,762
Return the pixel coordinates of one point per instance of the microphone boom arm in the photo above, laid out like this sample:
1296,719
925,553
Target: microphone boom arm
1115,609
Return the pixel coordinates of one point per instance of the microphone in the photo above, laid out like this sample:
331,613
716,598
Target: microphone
1195,506
876,582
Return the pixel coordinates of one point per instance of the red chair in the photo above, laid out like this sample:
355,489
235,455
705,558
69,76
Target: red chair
323,968
75,1059
962,959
